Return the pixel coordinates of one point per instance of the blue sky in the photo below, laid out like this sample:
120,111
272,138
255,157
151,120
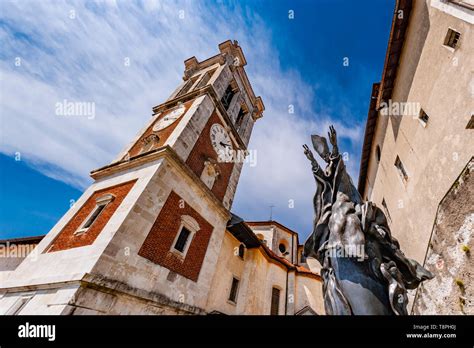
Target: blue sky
75,50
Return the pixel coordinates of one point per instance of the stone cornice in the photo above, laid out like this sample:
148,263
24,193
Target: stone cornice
165,152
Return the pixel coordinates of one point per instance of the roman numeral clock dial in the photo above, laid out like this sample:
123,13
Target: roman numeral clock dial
169,118
221,143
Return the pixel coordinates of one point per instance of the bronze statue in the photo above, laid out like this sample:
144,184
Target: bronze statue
363,269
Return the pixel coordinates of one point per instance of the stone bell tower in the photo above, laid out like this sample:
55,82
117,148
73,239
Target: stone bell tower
146,235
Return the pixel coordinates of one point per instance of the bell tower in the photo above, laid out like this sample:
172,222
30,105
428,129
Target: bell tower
146,235
206,122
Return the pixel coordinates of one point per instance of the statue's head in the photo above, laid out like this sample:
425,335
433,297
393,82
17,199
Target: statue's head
320,144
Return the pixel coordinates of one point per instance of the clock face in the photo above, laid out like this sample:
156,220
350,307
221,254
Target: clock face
169,118
221,142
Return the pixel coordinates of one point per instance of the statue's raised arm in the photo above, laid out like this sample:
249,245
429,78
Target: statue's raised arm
333,139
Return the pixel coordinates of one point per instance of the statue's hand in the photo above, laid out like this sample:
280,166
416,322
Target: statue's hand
308,153
332,136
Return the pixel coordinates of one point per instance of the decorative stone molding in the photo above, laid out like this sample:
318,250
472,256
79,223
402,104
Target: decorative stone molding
190,223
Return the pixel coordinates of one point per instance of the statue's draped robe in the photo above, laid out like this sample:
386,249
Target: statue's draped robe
357,285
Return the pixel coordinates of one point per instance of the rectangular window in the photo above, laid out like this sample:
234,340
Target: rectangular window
385,208
275,305
240,118
401,169
101,204
423,117
205,79
227,97
94,216
233,290
19,305
182,240
452,38
188,85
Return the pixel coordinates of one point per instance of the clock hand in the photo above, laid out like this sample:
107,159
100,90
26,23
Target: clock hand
223,144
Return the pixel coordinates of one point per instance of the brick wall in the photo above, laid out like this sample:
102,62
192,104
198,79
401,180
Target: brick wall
203,150
66,238
158,243
163,134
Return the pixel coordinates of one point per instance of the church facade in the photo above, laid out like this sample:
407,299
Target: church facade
154,233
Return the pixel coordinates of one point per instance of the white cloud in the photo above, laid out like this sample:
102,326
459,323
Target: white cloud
82,59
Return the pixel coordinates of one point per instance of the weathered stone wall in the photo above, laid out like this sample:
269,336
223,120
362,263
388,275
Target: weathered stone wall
438,80
450,251
121,262
309,292
46,274
258,274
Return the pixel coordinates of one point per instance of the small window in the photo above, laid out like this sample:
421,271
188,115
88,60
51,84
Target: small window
19,305
205,79
378,153
241,251
233,290
275,304
187,86
452,38
240,118
101,202
385,208
423,117
182,240
227,97
94,216
470,124
401,169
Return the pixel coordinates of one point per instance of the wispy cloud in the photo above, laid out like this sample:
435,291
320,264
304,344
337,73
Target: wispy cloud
79,51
